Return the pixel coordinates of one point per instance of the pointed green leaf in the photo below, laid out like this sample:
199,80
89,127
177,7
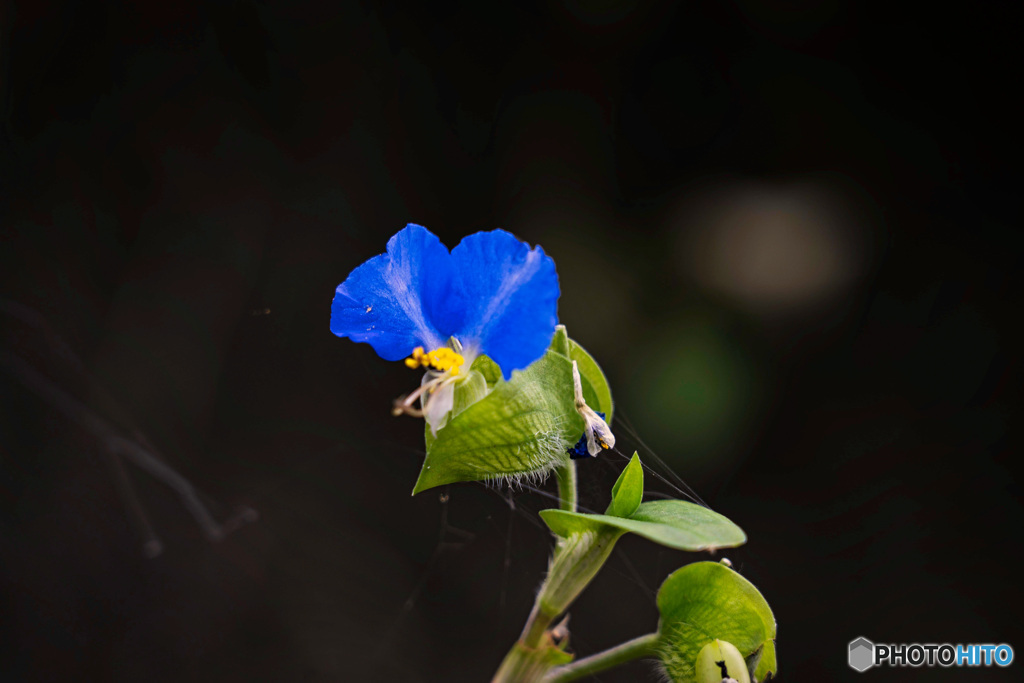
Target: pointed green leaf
705,601
628,491
673,523
522,427
560,342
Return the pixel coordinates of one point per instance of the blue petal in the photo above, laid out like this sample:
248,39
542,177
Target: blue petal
511,298
390,300
579,451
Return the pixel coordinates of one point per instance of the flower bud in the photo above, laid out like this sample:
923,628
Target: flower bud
720,661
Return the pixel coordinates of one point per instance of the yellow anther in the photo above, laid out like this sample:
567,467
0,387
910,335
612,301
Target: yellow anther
442,359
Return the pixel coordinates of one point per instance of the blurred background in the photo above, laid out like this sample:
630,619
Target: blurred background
788,232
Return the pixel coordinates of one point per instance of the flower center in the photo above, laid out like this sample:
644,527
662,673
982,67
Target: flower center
443,365
443,359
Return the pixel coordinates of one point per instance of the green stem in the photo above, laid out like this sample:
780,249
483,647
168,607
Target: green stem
536,626
567,486
644,646
528,659
539,618
525,665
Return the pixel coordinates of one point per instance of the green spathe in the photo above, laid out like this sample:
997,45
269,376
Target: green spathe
706,601
521,427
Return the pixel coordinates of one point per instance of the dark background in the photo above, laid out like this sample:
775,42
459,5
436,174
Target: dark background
788,231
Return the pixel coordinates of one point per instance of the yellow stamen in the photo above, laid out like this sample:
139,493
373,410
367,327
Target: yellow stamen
442,359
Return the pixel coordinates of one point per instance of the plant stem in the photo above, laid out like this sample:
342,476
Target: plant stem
567,486
620,654
527,659
539,620
536,624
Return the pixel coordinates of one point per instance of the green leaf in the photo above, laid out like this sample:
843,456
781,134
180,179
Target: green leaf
628,491
673,523
705,601
586,540
560,341
522,427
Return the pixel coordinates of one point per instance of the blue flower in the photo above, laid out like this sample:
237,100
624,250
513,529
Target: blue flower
580,451
492,293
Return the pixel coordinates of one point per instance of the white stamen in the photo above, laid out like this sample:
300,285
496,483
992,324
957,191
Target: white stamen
436,395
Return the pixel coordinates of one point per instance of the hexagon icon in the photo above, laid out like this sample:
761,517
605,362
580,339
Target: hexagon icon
862,654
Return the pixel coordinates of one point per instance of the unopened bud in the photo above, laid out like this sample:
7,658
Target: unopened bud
720,662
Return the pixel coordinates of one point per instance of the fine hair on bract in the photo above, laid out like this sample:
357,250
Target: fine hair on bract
552,452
